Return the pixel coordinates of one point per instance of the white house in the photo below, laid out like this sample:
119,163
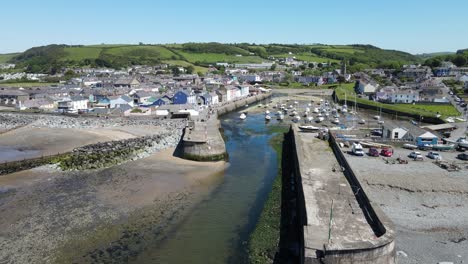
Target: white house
391,131
73,104
404,96
250,78
119,100
244,91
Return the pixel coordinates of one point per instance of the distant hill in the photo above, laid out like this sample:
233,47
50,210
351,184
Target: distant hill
7,57
50,58
460,59
434,54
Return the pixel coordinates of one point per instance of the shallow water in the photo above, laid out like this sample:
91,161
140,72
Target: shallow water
217,230
12,154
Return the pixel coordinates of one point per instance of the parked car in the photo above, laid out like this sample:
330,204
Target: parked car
387,152
376,132
416,155
463,156
373,152
434,155
356,149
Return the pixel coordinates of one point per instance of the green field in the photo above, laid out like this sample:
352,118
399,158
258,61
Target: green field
218,57
46,58
26,84
6,57
425,110
309,57
138,51
185,64
81,53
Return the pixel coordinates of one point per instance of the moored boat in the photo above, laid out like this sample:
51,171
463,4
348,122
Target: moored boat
243,116
409,146
309,128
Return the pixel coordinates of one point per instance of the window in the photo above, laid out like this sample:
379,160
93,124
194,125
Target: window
395,135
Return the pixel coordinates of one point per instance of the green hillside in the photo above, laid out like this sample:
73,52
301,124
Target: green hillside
460,59
6,57
51,58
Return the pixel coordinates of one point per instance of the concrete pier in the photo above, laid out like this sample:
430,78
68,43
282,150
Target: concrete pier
202,140
340,224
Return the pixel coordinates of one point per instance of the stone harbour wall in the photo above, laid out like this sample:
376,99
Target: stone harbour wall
111,153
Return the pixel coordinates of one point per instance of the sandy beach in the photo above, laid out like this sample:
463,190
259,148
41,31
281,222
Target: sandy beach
31,142
50,216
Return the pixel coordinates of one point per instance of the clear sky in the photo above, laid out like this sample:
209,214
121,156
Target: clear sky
415,26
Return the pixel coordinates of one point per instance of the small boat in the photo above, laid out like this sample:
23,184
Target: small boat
307,109
309,105
260,105
267,112
377,117
336,121
279,113
380,122
362,121
409,146
297,118
319,119
316,110
460,119
246,105
344,110
267,117
450,120
280,117
443,147
438,115
309,128
296,103
243,116
310,119
336,115
306,114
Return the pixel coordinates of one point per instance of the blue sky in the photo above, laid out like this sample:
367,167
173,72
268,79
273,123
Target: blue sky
415,26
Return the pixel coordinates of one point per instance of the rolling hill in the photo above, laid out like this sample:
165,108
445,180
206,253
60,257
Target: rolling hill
51,58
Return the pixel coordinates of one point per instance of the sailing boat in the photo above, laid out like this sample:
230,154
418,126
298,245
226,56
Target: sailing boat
344,109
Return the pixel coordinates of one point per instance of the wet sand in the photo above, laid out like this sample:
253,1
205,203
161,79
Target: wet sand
29,142
49,216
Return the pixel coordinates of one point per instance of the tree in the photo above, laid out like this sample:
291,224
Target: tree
320,65
273,67
341,79
189,69
175,71
459,60
311,65
288,77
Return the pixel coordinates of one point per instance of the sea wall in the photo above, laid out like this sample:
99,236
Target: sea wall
111,153
100,155
381,250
